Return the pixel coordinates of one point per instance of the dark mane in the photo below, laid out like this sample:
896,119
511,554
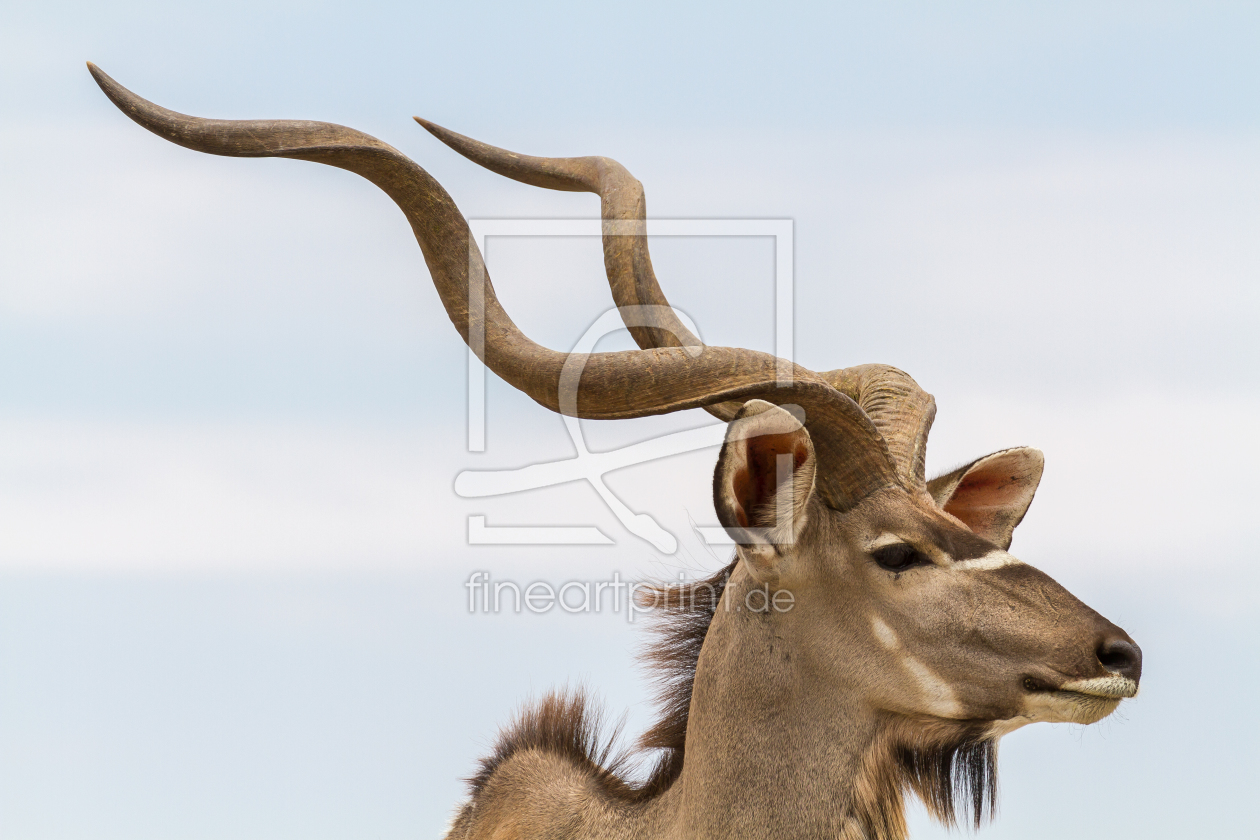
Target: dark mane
681,622
566,724
950,765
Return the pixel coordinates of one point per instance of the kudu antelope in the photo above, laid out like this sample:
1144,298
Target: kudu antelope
914,640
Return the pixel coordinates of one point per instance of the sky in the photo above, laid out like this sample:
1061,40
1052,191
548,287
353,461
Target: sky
233,413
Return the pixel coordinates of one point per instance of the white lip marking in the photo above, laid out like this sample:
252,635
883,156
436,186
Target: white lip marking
995,559
1067,706
1114,687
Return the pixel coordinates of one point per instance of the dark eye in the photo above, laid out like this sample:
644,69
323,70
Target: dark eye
899,557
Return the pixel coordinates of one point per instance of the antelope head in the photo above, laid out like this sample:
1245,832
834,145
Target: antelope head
873,633
905,593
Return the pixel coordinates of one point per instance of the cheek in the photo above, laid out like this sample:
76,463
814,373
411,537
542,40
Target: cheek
876,650
942,653
913,645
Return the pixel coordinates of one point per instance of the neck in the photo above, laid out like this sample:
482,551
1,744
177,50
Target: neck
766,758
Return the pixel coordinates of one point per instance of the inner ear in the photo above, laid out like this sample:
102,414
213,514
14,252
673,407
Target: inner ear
764,477
770,461
991,495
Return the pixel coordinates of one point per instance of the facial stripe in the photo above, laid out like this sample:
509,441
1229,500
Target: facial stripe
942,700
964,545
883,540
964,556
995,559
940,696
924,547
885,634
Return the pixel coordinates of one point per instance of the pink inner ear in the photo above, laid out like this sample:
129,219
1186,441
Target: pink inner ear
755,486
982,501
993,496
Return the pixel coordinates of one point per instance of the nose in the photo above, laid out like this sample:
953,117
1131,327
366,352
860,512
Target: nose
1119,655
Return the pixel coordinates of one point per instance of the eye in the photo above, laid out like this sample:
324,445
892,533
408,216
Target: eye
899,557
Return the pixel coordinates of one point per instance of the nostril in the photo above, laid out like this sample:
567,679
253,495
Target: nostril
1120,656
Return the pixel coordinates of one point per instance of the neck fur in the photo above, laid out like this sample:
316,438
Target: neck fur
762,759
766,757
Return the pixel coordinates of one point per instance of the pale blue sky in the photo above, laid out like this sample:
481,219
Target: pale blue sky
231,409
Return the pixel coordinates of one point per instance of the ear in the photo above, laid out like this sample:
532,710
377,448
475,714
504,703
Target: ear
763,482
991,495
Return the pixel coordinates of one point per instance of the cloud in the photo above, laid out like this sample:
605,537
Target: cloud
1130,487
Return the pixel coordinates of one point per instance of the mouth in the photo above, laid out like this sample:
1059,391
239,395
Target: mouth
1079,701
1111,687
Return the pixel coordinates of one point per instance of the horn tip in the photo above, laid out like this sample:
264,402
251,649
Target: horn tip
431,127
104,81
